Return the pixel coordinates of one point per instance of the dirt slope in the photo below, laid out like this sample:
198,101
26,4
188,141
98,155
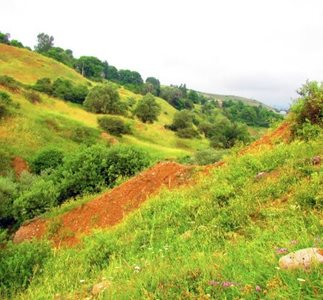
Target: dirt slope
108,209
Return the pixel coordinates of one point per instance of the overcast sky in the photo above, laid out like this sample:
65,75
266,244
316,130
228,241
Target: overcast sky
262,49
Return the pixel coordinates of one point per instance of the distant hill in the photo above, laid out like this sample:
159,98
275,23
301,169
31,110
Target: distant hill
245,100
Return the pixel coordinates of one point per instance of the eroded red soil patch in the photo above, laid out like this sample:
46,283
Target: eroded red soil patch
110,208
19,165
282,133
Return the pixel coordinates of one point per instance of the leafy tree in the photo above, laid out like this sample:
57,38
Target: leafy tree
61,55
90,66
112,73
104,99
192,95
5,38
130,77
17,44
64,89
182,119
153,86
45,42
114,125
147,109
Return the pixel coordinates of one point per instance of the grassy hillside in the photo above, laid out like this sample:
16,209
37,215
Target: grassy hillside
221,238
54,122
245,100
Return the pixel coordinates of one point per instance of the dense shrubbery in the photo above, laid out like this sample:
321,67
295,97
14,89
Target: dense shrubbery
183,124
114,125
47,159
87,171
308,111
104,99
147,109
10,83
237,111
62,88
5,103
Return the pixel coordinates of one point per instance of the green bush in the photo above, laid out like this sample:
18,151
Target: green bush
65,89
208,156
44,85
147,109
104,99
84,135
187,133
124,161
19,264
5,103
32,97
114,125
8,192
40,197
9,82
47,159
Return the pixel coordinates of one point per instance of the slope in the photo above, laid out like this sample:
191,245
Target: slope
54,122
220,238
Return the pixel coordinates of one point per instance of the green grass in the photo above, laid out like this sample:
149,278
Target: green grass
185,244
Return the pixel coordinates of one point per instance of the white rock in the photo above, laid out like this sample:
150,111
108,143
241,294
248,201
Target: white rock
302,259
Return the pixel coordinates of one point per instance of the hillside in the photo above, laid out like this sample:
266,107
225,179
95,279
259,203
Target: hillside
245,100
61,118
221,237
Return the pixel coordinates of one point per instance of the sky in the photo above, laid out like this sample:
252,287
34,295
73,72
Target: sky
261,49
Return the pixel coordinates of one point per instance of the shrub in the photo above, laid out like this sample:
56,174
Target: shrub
114,125
147,109
40,197
9,82
187,133
8,192
85,135
208,156
32,97
104,99
44,85
19,264
124,161
5,103
47,159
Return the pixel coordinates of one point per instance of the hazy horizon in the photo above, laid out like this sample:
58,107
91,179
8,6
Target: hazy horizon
263,50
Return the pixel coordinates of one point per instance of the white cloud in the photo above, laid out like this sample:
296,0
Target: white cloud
257,48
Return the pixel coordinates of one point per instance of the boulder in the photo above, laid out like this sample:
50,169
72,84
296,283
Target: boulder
302,259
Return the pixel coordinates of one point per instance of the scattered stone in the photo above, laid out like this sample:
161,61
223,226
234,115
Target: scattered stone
261,175
100,287
316,160
302,259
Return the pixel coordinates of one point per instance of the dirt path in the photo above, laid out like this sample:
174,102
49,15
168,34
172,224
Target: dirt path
108,209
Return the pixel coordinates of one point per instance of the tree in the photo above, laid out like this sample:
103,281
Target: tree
153,86
130,77
148,109
182,119
90,66
5,38
104,99
45,42
192,95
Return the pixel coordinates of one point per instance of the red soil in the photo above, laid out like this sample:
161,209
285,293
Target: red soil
110,208
282,133
19,165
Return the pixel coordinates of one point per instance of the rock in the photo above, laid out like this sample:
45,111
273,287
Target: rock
261,175
302,259
100,287
316,160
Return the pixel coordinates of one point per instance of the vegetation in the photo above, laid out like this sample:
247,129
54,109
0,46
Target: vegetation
114,125
47,159
104,99
147,109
